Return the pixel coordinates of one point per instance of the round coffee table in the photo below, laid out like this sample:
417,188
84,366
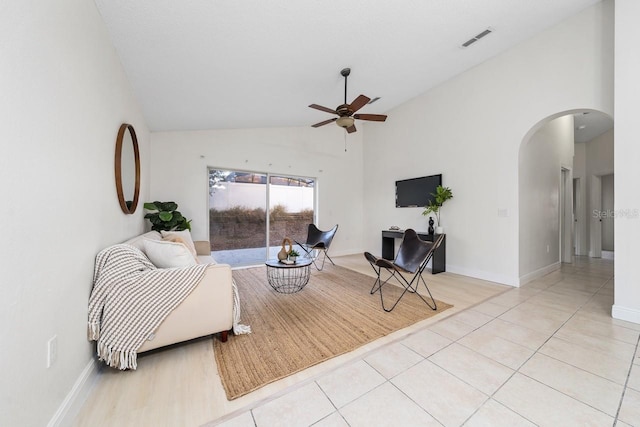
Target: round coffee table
288,278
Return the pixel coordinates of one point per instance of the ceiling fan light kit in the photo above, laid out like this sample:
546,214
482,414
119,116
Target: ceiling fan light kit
345,112
345,122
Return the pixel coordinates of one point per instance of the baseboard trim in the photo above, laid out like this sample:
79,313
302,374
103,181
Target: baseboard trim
483,275
625,313
70,407
608,255
530,277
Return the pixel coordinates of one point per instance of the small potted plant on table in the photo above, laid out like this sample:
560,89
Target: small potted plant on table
441,195
293,255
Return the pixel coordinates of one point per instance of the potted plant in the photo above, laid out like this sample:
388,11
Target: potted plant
293,255
441,195
165,217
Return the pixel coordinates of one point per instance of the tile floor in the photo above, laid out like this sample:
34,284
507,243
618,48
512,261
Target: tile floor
545,354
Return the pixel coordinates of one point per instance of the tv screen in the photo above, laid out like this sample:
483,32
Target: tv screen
416,192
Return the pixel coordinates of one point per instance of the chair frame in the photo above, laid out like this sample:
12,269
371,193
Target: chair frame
321,243
396,272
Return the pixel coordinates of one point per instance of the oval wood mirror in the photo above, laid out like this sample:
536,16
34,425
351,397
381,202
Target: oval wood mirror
127,168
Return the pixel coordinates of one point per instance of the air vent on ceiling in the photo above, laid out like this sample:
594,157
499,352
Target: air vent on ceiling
477,37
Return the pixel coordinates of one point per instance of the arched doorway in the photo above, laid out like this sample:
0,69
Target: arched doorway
562,160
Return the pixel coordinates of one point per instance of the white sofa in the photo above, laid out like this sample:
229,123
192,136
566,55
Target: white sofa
207,310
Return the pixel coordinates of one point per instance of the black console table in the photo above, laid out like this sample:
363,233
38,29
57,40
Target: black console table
439,260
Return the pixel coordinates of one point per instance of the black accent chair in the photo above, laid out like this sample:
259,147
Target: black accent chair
413,256
318,242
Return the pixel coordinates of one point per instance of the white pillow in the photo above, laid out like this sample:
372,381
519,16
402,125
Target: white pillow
185,235
165,254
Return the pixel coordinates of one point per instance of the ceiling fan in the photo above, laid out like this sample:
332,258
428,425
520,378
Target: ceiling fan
346,112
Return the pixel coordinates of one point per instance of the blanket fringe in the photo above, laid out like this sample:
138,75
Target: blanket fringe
238,328
93,331
120,359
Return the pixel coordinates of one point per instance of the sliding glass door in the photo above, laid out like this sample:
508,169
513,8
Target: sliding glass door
241,232
290,210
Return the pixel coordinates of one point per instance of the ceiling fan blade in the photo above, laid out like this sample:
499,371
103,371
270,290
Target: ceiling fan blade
321,108
351,129
359,102
317,125
372,117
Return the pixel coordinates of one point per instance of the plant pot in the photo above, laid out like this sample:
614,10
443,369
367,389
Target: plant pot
439,230
293,259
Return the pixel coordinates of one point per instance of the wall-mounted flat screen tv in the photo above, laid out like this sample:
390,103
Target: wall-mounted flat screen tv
416,192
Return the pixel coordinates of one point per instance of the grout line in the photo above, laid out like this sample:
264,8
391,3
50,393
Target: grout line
626,383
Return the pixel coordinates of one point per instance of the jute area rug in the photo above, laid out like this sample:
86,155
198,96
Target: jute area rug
332,315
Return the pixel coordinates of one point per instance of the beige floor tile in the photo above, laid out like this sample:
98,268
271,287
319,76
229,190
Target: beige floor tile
350,382
473,318
333,420
243,420
599,343
630,408
393,359
386,406
499,349
521,335
569,304
597,363
447,398
547,407
426,342
491,309
605,317
634,378
493,414
588,388
473,368
452,329
536,317
301,407
511,298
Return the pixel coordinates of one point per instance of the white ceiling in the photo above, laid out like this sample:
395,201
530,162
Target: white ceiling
210,64
589,125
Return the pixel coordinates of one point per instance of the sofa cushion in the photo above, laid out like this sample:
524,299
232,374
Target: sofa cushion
138,241
165,254
185,235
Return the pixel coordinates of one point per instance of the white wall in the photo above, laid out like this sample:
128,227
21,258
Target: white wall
470,129
592,160
581,215
64,96
627,153
295,199
608,220
180,161
541,159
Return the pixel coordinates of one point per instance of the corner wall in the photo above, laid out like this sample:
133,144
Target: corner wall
64,96
470,129
627,153
541,159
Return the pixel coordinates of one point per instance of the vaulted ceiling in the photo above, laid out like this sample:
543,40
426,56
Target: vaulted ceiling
211,64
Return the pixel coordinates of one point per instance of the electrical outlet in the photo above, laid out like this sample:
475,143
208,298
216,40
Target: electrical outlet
52,351
547,248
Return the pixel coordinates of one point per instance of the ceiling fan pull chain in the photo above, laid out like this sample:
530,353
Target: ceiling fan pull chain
345,140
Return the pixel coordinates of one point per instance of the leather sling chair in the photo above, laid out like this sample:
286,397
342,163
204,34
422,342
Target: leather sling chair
412,258
318,242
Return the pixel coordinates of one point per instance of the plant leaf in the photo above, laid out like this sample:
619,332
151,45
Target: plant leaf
165,216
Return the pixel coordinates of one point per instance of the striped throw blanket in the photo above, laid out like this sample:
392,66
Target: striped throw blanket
130,299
